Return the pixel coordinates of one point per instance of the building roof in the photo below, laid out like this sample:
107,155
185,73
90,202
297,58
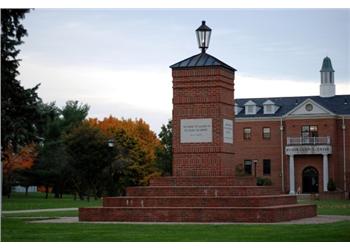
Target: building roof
201,60
327,65
339,104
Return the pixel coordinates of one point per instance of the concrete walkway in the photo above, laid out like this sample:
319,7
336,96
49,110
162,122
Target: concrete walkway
314,220
39,210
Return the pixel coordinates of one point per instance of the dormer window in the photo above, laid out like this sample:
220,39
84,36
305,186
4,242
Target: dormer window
250,108
269,107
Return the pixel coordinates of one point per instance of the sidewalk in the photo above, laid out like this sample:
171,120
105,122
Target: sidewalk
39,210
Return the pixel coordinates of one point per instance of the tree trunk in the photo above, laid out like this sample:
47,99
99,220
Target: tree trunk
47,192
27,190
81,196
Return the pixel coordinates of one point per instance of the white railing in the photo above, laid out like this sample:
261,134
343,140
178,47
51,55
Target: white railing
308,140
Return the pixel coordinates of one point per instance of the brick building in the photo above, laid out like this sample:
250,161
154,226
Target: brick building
297,142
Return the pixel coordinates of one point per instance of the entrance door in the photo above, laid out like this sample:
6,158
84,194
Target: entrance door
310,180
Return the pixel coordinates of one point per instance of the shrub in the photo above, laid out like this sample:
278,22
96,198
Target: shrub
260,181
331,185
239,171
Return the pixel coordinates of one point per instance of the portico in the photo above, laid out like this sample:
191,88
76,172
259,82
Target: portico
292,150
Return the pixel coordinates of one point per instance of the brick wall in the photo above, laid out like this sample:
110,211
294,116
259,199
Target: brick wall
222,214
202,191
203,92
203,181
259,148
195,201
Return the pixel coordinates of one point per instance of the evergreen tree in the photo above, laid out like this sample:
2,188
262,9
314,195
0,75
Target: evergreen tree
19,106
164,153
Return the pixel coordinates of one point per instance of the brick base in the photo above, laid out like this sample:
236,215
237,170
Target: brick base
198,214
203,191
204,181
195,201
199,199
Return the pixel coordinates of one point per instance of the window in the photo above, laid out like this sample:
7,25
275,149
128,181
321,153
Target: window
267,167
309,107
247,133
266,133
248,166
268,109
309,131
250,109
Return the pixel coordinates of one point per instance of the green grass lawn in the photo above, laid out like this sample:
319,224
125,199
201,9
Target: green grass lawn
334,207
19,201
20,230
16,227
48,214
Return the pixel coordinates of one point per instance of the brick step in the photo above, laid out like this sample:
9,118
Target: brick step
203,191
198,214
203,181
198,201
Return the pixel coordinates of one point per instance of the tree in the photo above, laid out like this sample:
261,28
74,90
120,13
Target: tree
130,166
88,155
73,113
14,162
19,106
144,143
137,129
164,153
52,168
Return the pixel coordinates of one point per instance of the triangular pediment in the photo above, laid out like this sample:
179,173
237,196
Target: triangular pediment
250,102
268,102
309,108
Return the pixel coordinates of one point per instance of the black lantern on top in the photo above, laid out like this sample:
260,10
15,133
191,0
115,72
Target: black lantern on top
203,36
110,143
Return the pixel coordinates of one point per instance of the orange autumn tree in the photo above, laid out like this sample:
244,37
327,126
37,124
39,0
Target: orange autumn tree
137,129
22,160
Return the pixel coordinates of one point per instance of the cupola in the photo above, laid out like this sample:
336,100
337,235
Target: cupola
327,87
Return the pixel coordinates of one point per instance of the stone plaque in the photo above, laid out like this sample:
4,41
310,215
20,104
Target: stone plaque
196,130
228,131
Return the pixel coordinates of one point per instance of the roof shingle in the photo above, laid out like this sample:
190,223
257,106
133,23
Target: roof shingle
339,104
201,60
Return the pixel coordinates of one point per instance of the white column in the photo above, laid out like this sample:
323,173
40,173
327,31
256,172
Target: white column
325,172
291,175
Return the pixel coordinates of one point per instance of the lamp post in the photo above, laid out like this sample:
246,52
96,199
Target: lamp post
203,36
110,143
255,164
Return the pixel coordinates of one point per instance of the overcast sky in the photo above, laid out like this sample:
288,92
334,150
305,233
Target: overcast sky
117,61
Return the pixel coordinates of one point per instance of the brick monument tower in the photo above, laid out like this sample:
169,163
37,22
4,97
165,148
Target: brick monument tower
203,187
203,113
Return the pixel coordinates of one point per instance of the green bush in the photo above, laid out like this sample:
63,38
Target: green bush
331,185
239,170
260,181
